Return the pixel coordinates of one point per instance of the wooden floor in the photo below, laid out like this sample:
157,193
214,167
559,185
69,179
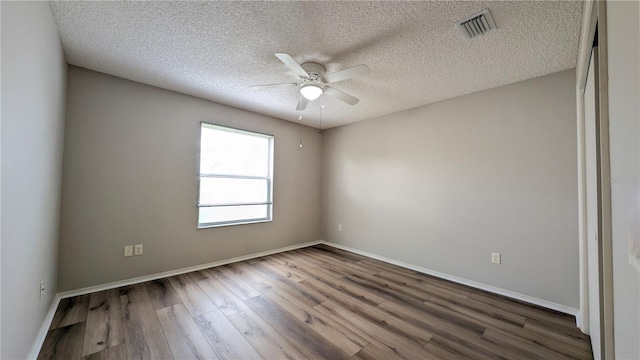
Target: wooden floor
314,303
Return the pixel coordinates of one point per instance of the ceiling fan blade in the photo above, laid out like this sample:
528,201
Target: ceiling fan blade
292,64
302,104
345,74
341,95
271,86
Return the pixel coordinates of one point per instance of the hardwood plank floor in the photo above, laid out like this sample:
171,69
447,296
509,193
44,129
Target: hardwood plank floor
185,339
71,311
143,334
105,328
313,303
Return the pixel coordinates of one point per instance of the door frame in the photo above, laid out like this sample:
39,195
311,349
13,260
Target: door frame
594,18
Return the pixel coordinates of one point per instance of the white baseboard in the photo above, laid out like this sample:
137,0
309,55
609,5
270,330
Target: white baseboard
496,290
141,279
42,333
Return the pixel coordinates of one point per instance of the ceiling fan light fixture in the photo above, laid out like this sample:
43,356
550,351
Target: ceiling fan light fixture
311,91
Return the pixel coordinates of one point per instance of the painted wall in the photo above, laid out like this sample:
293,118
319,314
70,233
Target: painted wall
623,37
130,177
444,185
33,99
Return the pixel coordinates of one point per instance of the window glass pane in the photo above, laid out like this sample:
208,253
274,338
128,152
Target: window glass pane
232,213
230,191
233,153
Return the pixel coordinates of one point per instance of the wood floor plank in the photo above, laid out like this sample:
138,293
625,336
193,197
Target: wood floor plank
63,343
227,342
105,327
384,289
453,335
375,352
297,261
162,293
286,271
225,300
233,282
246,272
373,315
528,348
479,310
467,337
484,321
274,270
313,269
303,338
114,353
558,333
335,289
70,311
448,349
382,283
126,290
143,334
418,276
264,338
419,285
302,259
308,296
332,331
185,339
525,310
343,265
379,334
192,296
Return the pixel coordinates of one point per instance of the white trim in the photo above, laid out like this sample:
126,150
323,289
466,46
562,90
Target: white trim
44,329
587,31
141,279
496,290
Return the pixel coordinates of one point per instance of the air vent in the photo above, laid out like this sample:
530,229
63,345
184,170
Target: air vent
476,24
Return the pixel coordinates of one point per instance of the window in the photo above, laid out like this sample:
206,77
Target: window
236,179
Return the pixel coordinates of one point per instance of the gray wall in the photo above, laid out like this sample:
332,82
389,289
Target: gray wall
33,99
444,185
130,177
623,36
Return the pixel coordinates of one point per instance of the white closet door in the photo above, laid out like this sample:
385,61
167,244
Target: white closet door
591,170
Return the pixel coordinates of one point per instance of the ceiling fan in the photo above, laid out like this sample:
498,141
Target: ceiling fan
313,80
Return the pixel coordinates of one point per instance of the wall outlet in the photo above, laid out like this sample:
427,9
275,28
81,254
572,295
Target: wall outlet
339,227
41,289
495,258
128,251
137,250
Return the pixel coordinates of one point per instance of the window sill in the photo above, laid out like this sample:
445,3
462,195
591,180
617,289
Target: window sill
214,225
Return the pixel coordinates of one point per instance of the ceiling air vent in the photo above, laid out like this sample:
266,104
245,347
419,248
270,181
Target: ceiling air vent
477,24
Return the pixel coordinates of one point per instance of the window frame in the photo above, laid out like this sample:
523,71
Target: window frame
268,178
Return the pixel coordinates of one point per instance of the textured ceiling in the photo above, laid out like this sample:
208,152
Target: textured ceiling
216,50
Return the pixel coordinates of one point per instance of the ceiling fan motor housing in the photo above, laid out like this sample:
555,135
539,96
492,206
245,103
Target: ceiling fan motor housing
314,70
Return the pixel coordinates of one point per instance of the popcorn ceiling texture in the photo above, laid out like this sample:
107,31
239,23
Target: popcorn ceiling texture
216,50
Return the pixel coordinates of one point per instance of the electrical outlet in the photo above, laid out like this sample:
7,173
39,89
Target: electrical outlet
339,227
41,289
495,258
137,250
128,251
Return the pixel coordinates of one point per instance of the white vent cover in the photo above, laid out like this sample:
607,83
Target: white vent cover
477,24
